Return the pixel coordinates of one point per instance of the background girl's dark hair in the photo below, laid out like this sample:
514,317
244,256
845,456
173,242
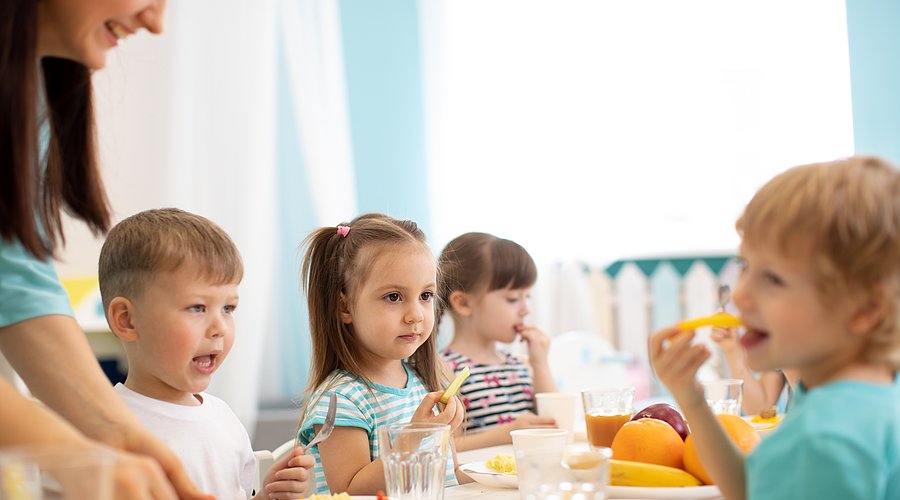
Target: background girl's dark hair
474,262
33,190
335,264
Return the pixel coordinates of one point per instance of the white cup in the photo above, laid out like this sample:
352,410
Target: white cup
533,439
559,406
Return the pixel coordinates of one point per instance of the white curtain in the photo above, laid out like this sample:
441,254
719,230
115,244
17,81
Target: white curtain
187,119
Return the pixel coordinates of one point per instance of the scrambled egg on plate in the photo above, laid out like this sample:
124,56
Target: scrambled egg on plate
503,462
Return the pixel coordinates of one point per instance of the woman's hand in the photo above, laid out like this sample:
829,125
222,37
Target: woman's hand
676,362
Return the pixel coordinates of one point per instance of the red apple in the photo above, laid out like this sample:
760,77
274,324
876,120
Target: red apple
668,414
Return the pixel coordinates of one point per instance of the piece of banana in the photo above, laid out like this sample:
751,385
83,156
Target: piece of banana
627,473
454,386
720,319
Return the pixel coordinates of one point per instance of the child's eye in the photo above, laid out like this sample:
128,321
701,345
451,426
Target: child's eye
426,296
229,309
197,308
773,278
741,263
393,297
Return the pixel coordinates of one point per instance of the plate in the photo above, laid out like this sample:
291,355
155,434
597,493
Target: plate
658,493
763,428
480,472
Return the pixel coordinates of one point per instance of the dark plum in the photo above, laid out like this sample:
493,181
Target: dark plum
668,414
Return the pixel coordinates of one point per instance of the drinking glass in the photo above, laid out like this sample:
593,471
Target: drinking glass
573,472
724,395
605,412
56,472
415,460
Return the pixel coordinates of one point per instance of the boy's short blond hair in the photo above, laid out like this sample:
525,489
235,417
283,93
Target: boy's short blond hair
162,240
847,214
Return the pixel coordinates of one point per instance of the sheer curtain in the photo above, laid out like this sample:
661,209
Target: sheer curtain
187,119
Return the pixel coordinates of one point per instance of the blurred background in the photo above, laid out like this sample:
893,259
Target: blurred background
617,141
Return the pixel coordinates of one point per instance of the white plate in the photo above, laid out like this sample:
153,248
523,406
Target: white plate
480,472
683,493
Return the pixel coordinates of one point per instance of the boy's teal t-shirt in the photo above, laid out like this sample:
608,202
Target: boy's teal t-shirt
839,441
29,287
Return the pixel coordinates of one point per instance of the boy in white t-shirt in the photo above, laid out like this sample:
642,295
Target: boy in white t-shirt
169,279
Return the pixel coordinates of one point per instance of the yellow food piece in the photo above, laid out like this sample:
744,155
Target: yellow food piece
454,386
503,462
722,320
13,484
756,419
336,496
626,473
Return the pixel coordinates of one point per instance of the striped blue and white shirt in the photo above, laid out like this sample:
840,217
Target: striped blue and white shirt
493,394
367,406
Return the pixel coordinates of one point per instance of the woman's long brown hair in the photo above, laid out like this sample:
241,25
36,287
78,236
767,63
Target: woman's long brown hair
33,190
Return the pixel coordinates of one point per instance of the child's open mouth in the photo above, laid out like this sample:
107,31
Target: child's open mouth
752,338
205,364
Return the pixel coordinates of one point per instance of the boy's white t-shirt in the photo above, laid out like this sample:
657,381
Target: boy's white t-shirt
210,441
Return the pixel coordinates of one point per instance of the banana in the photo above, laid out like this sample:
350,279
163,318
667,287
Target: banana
627,473
723,320
455,385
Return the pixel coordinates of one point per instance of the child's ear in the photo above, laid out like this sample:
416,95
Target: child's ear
346,317
119,317
870,312
459,302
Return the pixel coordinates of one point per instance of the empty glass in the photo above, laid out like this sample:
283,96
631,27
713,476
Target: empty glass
724,396
415,460
54,472
574,472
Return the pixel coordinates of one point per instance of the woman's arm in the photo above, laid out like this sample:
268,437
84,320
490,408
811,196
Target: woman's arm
52,355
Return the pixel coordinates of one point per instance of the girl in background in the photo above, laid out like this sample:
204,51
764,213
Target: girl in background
371,288
485,285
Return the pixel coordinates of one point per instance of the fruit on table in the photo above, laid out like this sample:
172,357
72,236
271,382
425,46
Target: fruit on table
628,473
454,386
720,319
651,441
741,433
667,413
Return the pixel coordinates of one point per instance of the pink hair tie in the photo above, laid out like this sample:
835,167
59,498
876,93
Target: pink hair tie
343,230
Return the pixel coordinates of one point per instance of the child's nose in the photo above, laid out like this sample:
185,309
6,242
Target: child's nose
415,315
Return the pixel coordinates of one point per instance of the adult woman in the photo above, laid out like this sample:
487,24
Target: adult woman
58,43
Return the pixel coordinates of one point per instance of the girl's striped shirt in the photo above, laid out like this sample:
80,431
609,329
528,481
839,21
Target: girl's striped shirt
493,394
366,405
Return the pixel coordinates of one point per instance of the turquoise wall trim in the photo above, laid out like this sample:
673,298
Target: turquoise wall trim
383,70
873,33
682,265
296,217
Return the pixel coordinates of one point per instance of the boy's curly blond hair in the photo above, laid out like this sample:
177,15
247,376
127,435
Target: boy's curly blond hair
847,212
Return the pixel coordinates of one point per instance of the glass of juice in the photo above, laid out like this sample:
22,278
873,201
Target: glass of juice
606,410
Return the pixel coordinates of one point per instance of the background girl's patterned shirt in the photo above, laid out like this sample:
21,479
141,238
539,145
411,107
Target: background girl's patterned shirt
493,394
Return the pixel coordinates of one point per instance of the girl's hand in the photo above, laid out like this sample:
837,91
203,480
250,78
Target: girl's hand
287,478
538,344
726,338
531,421
676,362
452,413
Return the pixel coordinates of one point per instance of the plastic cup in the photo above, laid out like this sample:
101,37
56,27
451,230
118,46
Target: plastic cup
559,406
54,472
606,410
415,460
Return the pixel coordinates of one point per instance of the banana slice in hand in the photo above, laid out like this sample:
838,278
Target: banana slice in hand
720,319
454,386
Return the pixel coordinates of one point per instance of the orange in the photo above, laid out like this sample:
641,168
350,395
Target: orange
742,433
650,441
